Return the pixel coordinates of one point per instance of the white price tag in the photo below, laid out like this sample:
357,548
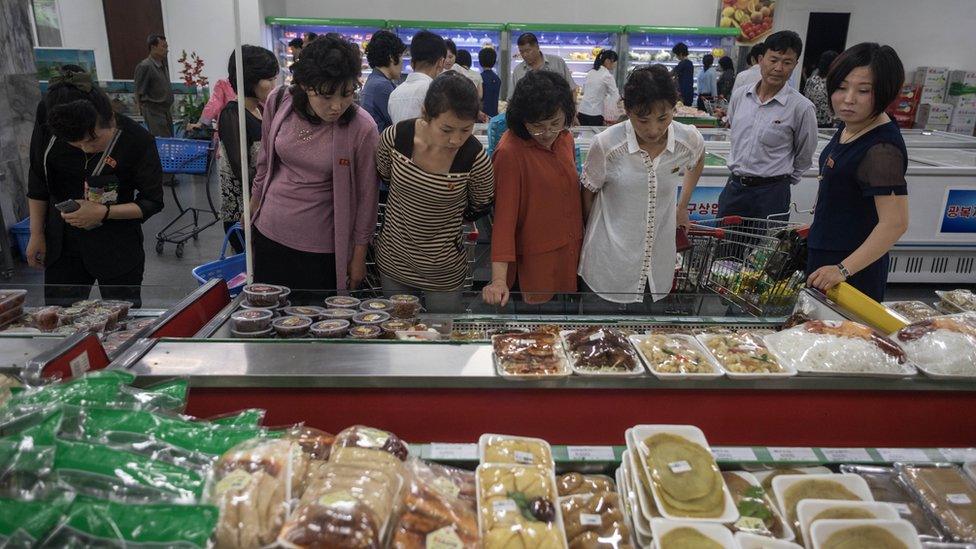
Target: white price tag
79,364
525,458
731,453
904,454
902,508
959,499
503,506
586,519
678,467
590,453
847,454
451,451
958,455
793,454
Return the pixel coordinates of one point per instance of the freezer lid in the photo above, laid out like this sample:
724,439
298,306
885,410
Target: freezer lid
952,158
460,25
378,23
698,31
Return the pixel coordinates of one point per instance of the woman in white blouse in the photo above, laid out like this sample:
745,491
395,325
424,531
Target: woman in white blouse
600,92
630,197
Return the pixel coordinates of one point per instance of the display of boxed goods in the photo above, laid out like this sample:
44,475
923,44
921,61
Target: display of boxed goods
932,94
933,113
932,76
966,101
903,108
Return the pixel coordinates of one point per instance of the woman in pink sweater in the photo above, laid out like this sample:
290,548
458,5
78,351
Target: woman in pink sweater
315,194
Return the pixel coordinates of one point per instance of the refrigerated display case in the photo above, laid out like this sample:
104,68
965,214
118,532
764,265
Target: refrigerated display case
648,45
578,45
471,37
284,29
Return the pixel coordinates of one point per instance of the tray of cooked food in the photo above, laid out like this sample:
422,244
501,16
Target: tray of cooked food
744,355
944,346
599,351
675,356
829,347
529,355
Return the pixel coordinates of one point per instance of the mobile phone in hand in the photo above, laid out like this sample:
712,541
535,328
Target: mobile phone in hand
68,206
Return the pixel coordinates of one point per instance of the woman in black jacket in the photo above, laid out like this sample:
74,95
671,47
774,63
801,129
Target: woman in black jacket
94,178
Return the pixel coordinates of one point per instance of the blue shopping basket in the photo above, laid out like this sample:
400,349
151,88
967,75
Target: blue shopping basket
224,267
189,156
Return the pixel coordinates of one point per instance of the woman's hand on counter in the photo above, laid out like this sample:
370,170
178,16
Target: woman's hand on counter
36,251
88,216
495,293
826,277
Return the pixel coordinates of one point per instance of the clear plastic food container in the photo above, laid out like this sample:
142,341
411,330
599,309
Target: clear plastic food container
292,326
315,313
269,332
405,306
263,295
365,332
334,328
342,302
373,318
376,305
251,320
343,314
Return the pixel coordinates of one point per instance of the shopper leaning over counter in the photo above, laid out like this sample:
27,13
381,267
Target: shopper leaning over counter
428,52
439,177
599,90
774,136
630,192
384,53
538,225
315,195
260,70
94,178
862,205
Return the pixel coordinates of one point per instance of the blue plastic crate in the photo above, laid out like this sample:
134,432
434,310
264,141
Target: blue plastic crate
21,234
188,156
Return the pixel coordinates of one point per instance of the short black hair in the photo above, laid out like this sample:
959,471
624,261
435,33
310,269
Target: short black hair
539,95
427,48
154,39
680,49
487,57
74,114
823,64
463,58
527,39
603,57
648,85
451,46
886,70
783,41
296,43
757,51
707,61
327,65
311,35
726,63
384,49
259,64
453,92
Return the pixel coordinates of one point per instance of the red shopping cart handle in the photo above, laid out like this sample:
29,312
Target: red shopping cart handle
699,230
732,220
473,236
803,231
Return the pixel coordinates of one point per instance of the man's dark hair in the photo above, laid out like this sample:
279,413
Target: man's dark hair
74,114
296,43
757,51
649,85
887,71
726,63
707,61
154,40
527,39
464,58
452,92
328,65
539,95
487,58
680,49
603,57
311,36
823,64
384,49
783,41
426,48
451,46
259,64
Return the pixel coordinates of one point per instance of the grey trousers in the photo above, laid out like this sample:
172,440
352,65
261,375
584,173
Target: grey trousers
159,119
434,302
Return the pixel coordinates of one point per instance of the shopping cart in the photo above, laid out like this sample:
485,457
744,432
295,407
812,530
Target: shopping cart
756,264
191,157
715,103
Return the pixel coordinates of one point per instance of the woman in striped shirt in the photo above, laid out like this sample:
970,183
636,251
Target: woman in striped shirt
439,177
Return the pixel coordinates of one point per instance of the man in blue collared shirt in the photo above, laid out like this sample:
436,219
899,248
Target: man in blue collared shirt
385,56
774,136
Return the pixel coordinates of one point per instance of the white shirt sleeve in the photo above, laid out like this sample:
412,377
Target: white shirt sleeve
697,147
595,168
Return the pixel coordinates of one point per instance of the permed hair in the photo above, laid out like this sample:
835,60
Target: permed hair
73,114
539,95
384,49
328,65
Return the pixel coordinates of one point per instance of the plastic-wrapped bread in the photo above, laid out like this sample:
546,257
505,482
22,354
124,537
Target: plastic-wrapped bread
360,436
595,521
571,484
438,508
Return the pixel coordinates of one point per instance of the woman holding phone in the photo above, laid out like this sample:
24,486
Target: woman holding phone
94,178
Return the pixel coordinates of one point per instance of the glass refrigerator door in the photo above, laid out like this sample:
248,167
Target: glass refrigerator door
282,34
646,49
471,40
578,49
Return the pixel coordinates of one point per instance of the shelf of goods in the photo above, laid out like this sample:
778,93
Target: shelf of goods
940,244
98,461
466,36
285,29
577,45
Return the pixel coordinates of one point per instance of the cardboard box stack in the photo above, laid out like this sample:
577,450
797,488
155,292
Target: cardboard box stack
934,116
961,94
933,81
